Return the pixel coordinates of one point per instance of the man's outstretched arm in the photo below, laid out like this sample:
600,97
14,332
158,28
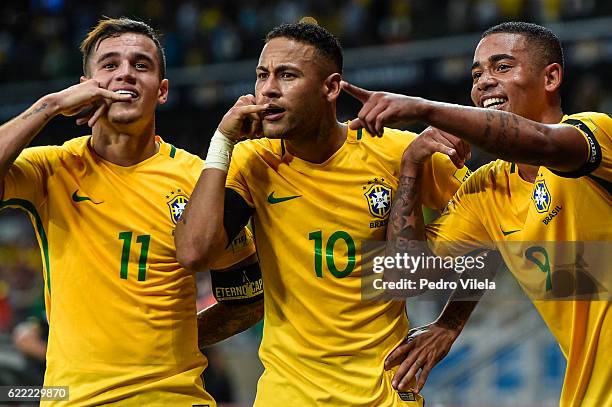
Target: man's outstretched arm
506,135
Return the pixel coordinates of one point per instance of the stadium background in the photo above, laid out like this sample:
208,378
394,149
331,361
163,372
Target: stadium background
505,357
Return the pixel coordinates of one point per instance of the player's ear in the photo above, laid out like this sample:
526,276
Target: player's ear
332,86
83,79
553,76
162,94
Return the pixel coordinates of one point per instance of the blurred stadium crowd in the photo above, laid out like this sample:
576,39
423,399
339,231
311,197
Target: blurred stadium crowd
39,38
39,42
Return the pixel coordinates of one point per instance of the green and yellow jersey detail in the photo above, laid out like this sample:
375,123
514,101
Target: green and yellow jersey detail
122,312
540,229
322,344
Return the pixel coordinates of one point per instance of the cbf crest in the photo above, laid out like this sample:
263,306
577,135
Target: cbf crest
177,203
541,196
379,196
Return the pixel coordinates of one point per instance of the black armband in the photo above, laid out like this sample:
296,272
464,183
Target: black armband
236,213
238,286
594,158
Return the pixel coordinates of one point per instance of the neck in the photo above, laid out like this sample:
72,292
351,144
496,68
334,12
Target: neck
553,115
319,145
124,147
528,172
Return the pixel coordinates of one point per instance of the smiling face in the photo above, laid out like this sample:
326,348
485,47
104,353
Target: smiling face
508,76
129,63
291,77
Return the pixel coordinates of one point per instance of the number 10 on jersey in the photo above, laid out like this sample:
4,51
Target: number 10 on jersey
318,238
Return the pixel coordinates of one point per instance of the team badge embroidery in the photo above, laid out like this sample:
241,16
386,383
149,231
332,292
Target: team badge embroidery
541,196
378,196
177,203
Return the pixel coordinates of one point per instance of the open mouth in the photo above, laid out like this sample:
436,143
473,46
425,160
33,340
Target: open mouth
273,113
493,103
133,94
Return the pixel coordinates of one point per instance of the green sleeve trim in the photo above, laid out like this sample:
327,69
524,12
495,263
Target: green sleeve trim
359,134
172,151
38,226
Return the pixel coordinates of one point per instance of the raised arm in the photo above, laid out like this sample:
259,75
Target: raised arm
202,232
406,230
506,135
17,133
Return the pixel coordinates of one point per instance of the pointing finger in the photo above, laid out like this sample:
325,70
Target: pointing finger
356,124
355,91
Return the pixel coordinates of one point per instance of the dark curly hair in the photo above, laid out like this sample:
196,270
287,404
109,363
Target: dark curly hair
326,44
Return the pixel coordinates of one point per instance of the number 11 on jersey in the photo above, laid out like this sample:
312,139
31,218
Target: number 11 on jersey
144,241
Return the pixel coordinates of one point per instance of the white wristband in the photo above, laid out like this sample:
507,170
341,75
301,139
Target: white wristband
219,151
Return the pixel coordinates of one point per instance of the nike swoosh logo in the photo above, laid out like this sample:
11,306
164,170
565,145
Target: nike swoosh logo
509,232
77,198
274,200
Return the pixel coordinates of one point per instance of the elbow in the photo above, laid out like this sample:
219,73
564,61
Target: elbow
196,257
192,260
197,252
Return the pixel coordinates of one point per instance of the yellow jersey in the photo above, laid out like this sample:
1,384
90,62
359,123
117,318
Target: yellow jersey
490,207
122,311
493,207
323,345
577,208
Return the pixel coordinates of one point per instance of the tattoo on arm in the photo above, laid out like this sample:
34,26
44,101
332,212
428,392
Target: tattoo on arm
507,130
220,321
456,314
463,301
35,111
405,220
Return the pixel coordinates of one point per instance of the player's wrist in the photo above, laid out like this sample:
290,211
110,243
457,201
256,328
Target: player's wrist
52,103
411,164
220,151
453,329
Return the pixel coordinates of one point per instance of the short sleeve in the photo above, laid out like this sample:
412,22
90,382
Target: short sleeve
440,180
235,178
239,249
460,228
26,179
596,128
